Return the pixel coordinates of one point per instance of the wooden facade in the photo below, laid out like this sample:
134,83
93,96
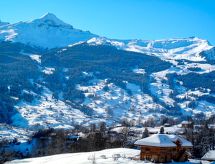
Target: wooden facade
165,154
156,154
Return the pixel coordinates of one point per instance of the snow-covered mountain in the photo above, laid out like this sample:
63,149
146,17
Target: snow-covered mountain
89,78
51,32
46,32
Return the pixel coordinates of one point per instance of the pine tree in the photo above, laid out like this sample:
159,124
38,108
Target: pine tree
145,133
102,127
162,130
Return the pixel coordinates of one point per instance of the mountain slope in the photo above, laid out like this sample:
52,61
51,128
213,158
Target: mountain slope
84,84
46,32
86,79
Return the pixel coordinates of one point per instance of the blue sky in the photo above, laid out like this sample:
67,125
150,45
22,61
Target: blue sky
123,19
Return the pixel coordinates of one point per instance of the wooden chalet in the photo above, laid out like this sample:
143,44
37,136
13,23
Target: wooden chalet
186,124
164,148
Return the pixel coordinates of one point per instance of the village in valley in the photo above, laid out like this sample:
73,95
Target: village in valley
123,143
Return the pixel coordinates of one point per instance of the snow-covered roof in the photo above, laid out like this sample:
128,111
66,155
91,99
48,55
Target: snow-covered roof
163,140
182,140
209,156
186,122
157,140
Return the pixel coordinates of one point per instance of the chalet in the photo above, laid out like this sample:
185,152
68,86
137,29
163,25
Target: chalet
167,125
72,137
187,124
209,156
164,148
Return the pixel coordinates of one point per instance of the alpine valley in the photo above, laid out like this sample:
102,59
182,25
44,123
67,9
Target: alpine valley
55,76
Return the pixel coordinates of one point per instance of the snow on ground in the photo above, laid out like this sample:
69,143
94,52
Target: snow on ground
200,68
36,58
46,112
139,71
107,156
205,107
142,103
170,50
210,155
48,70
191,95
176,129
160,88
9,133
112,99
109,100
188,96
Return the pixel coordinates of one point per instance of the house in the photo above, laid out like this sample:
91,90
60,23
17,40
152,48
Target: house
187,124
164,148
167,125
209,156
72,137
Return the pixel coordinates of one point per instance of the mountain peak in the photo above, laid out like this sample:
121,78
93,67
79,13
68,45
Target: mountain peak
47,31
49,16
50,19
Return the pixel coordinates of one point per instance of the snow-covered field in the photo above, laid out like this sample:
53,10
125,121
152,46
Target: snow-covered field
107,156
9,133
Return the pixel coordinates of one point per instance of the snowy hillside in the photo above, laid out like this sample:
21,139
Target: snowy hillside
46,32
84,84
88,79
108,156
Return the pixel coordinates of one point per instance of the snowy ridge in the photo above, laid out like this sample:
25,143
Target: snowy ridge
51,32
167,49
